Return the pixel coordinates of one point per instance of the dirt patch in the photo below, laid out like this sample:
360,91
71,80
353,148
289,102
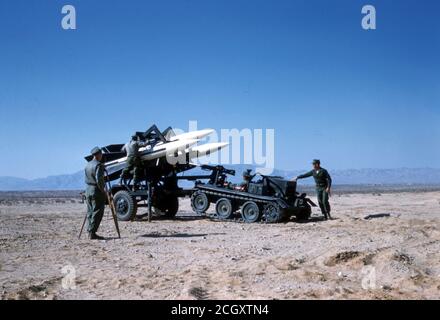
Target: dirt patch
42,291
199,293
368,259
403,258
342,257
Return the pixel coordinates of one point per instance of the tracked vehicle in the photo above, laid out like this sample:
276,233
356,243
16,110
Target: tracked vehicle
270,199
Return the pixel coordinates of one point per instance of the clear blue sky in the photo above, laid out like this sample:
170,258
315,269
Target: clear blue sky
331,90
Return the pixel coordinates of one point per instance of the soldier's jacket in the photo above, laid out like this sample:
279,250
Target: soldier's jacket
321,176
94,176
132,147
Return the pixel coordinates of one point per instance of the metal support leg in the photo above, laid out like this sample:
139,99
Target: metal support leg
149,200
82,227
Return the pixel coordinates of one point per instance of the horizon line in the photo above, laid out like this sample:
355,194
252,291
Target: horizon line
250,165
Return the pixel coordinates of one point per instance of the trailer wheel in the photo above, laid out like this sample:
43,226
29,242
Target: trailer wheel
273,213
125,205
224,209
250,212
199,202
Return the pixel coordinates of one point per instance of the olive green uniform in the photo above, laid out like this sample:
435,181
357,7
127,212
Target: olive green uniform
95,194
247,178
133,160
322,181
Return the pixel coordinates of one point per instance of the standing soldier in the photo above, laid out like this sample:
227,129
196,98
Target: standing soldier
133,160
323,183
95,193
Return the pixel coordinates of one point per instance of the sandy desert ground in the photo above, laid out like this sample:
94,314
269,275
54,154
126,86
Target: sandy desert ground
395,257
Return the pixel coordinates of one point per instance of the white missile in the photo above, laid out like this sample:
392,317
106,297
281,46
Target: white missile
162,149
199,134
159,150
198,151
206,149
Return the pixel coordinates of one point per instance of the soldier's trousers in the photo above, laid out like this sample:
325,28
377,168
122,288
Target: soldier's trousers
133,164
95,208
323,201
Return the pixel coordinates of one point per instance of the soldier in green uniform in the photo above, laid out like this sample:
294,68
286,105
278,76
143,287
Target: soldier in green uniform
247,178
95,193
323,183
133,160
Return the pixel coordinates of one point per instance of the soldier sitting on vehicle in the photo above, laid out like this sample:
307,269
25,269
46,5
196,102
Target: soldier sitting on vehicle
133,160
247,178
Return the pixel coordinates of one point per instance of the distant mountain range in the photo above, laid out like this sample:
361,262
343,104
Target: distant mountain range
399,176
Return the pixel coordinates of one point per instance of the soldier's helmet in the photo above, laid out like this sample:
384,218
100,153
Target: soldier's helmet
134,137
95,151
316,161
247,174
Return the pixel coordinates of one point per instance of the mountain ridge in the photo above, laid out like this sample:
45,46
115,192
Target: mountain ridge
367,176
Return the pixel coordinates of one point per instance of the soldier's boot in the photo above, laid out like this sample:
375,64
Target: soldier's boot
326,215
94,236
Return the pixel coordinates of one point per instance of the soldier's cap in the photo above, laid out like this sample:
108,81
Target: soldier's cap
134,137
247,173
95,151
316,161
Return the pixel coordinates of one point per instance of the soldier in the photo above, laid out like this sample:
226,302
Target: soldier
323,183
247,178
133,160
95,193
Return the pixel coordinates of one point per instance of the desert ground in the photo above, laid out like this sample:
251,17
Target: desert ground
393,255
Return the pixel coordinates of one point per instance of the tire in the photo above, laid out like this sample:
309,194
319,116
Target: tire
303,213
224,209
125,206
250,212
169,206
199,202
273,213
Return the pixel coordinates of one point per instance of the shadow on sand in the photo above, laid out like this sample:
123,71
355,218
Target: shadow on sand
179,235
144,217
313,219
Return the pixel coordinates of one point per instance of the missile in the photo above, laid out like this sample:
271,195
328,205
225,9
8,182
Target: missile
207,149
159,150
203,150
199,134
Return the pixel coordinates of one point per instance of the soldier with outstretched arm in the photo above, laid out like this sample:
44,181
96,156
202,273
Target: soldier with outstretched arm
323,183
95,193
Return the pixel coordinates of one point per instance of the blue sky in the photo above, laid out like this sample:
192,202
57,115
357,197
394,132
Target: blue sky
354,98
